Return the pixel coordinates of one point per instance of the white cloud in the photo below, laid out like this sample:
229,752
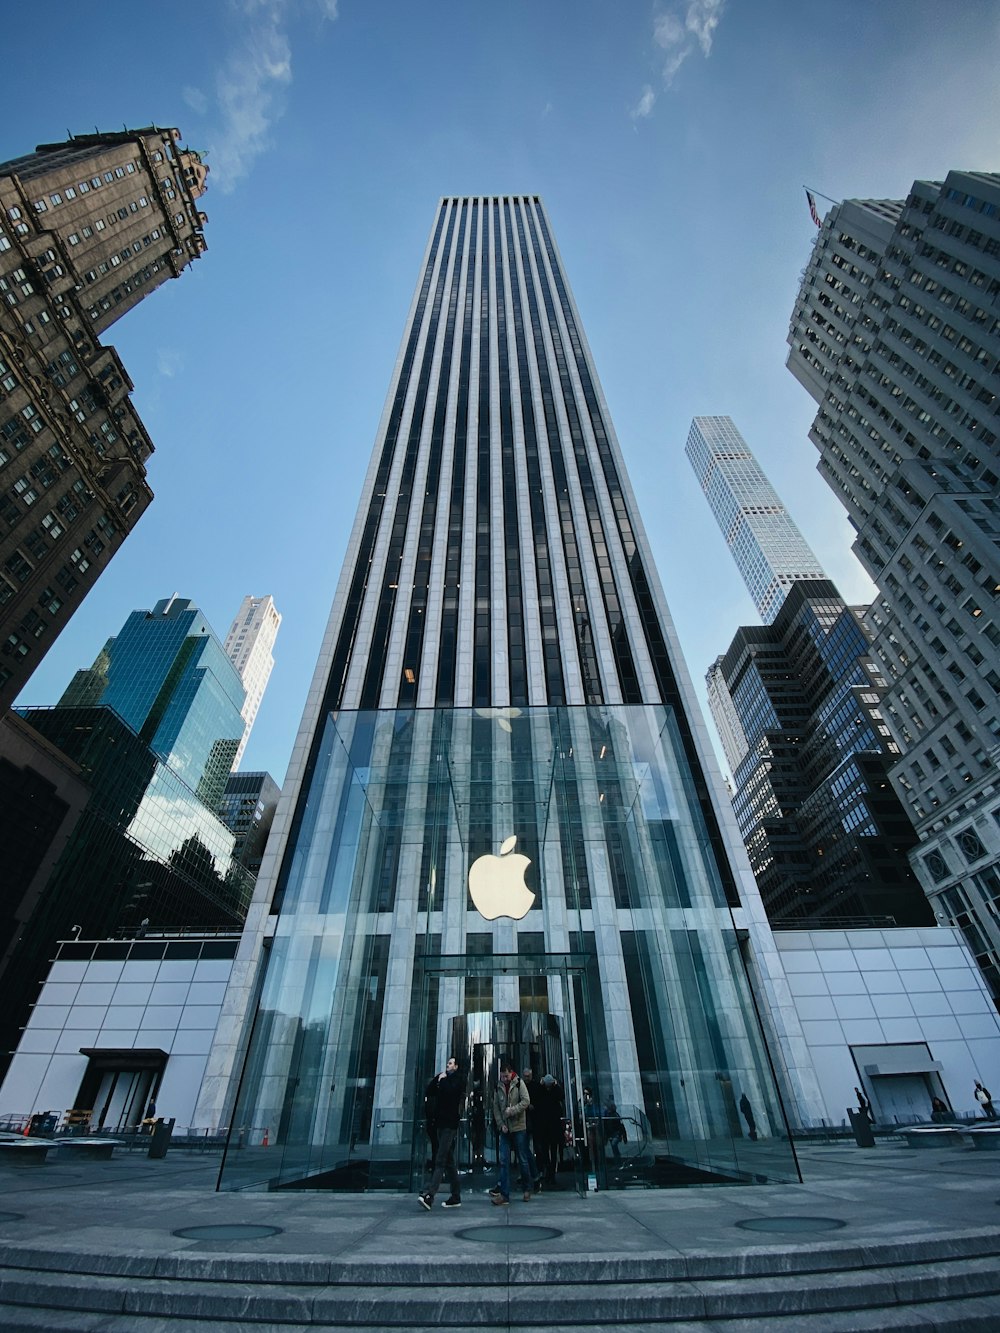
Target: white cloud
702,19
251,85
169,362
682,29
644,105
195,99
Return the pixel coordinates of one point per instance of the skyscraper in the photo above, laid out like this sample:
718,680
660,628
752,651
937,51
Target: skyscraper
770,552
826,835
88,228
166,675
249,645
502,831
151,730
796,705
896,335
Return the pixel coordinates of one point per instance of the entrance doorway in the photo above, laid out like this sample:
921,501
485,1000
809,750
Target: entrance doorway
118,1086
547,1043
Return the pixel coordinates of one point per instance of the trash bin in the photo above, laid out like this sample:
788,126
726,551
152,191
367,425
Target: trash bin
161,1137
862,1127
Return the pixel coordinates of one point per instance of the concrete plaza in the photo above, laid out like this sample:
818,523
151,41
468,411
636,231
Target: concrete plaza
890,1237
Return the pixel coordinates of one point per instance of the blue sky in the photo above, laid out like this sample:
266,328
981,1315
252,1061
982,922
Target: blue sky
670,142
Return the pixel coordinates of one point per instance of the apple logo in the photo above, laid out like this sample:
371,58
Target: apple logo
497,885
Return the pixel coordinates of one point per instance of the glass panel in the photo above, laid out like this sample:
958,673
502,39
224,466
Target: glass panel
592,939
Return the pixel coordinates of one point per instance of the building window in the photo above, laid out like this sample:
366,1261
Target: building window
970,845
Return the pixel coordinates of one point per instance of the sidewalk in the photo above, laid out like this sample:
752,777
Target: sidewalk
890,1198
133,1204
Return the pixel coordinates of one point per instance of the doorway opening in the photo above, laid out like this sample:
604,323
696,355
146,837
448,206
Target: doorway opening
118,1085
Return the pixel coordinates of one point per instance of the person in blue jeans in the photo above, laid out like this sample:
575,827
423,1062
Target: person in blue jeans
510,1105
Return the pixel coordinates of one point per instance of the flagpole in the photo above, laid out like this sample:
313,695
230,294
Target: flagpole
820,195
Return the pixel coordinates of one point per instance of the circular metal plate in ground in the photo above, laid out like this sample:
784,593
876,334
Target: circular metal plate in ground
500,1233
792,1224
11,1217
228,1231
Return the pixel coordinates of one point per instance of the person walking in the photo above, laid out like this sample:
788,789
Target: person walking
447,1112
430,1123
510,1104
549,1112
748,1115
528,1079
985,1100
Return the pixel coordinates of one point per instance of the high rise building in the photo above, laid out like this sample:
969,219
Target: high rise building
502,829
249,646
88,228
896,335
166,675
247,810
826,835
143,853
770,552
725,716
150,731
796,706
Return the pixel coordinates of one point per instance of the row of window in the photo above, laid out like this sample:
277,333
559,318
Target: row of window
70,192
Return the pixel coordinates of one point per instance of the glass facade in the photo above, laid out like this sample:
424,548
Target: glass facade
169,678
593,940
145,853
499,691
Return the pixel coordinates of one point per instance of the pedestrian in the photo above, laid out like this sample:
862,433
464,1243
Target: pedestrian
985,1100
430,1125
746,1111
939,1111
615,1133
528,1078
447,1112
865,1106
510,1104
549,1109
592,1126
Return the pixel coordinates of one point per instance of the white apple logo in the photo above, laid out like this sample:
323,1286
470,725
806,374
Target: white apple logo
497,884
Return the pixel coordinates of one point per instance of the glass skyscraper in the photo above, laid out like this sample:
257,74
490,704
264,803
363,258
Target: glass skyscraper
167,675
502,831
770,552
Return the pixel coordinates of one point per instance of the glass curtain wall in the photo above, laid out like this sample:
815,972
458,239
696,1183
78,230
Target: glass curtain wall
594,911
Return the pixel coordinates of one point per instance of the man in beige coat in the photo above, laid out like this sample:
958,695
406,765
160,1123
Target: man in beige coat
510,1105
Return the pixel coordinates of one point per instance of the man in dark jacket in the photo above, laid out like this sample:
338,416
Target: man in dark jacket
548,1110
447,1112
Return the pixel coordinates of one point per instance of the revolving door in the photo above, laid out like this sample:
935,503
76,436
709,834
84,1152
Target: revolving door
545,1039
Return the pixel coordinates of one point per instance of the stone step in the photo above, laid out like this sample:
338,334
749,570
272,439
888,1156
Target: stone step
854,1297
971,1315
499,1270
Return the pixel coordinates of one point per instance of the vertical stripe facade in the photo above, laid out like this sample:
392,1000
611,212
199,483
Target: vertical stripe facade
499,667
495,415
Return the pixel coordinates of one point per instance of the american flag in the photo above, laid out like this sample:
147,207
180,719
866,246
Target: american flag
812,210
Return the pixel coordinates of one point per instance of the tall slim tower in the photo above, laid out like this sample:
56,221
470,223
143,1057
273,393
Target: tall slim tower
88,228
770,552
896,335
249,645
502,830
